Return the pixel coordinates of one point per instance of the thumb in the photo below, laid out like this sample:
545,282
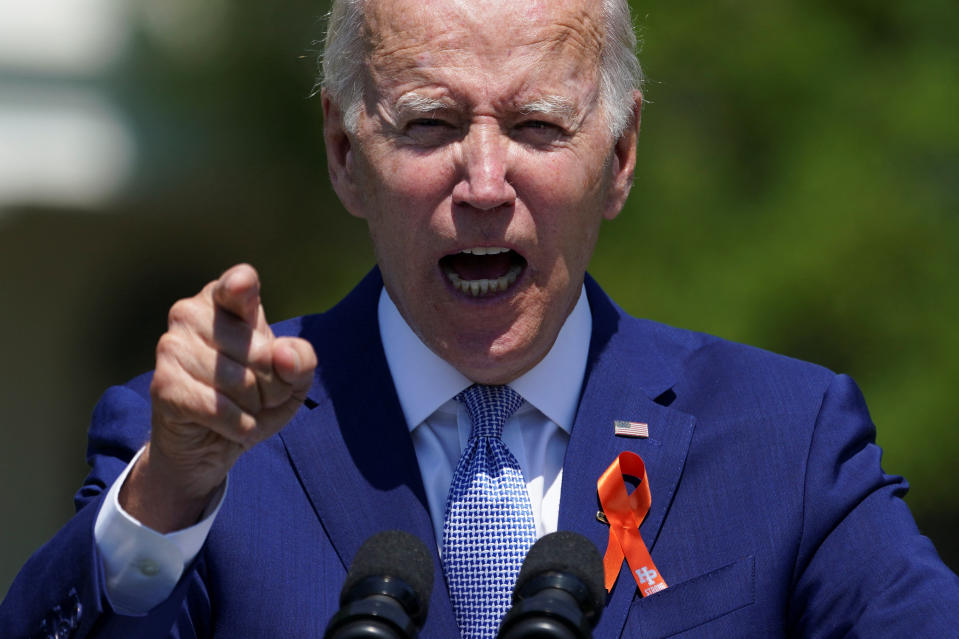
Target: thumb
294,361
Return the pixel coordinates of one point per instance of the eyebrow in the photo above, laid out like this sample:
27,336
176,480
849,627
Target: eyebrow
419,103
550,105
555,105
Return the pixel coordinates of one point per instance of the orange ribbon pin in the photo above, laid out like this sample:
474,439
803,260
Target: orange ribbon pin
625,512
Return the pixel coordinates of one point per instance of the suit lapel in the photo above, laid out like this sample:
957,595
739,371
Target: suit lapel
629,375
352,451
350,445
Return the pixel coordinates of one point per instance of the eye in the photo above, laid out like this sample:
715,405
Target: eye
427,122
538,132
430,131
537,124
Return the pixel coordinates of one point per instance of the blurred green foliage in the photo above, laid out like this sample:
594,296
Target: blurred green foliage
796,189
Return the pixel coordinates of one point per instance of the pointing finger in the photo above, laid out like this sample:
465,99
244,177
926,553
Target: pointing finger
238,292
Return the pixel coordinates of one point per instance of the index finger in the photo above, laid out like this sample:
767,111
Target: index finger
238,292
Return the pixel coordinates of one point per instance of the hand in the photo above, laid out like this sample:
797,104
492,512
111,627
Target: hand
223,383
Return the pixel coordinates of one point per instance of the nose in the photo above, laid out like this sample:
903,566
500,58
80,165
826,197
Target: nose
484,178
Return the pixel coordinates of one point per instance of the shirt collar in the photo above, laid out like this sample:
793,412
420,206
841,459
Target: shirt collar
424,381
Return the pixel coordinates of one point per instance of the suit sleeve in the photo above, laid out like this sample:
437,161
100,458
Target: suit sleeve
863,569
61,590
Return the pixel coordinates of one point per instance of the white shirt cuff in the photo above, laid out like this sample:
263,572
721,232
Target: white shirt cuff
143,566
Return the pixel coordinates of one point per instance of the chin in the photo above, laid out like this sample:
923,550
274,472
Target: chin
496,365
493,376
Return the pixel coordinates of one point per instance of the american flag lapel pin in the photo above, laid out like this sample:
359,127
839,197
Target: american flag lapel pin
630,429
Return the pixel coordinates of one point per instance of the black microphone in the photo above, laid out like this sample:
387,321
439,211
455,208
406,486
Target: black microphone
387,590
559,592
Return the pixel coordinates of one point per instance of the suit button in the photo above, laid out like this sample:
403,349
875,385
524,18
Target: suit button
148,567
64,629
76,610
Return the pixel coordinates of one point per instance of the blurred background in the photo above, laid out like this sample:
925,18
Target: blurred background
797,189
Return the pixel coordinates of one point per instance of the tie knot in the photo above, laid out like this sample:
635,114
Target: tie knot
489,407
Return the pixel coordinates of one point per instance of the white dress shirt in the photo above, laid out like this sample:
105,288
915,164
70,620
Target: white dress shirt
537,434
143,566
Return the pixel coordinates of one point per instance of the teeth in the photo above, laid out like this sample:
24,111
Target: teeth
484,286
485,250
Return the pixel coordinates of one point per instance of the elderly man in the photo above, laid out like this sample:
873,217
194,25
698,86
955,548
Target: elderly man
484,143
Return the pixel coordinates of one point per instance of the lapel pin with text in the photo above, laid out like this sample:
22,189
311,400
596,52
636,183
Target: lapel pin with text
630,429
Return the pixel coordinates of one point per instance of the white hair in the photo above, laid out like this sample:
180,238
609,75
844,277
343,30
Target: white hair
342,62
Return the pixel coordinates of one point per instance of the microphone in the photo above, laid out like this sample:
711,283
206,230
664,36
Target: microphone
387,590
559,592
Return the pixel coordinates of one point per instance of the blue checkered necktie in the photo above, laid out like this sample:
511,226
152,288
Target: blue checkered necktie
489,522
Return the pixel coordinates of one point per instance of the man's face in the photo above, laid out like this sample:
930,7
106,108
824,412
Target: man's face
482,163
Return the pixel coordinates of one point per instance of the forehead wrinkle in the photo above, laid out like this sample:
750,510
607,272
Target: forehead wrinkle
399,41
577,40
580,29
420,47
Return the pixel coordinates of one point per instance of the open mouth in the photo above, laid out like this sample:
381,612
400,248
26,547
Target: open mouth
483,270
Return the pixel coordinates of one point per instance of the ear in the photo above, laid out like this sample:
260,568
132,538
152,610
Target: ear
624,160
339,155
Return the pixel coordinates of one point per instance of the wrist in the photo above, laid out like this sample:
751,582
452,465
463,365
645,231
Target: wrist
162,496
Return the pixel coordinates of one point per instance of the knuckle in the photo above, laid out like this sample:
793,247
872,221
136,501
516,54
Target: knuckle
249,385
181,312
167,346
261,348
262,370
163,377
164,393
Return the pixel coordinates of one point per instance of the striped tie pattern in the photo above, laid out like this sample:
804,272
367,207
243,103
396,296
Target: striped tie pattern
489,522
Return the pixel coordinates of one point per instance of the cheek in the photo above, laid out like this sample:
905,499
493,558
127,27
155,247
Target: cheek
406,202
403,194
567,196
417,177
568,176
391,176
567,202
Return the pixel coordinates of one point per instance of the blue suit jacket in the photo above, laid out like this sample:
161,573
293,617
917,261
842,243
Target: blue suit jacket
770,514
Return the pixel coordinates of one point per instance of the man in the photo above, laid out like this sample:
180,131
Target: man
483,143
